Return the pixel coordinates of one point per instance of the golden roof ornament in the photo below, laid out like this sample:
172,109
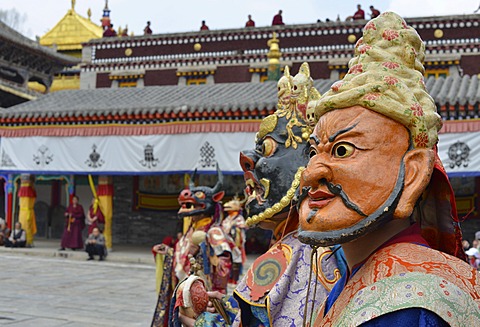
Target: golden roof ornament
71,31
274,53
273,56
89,14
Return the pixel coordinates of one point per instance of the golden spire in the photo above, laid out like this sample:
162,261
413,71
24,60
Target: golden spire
89,14
273,56
274,53
73,5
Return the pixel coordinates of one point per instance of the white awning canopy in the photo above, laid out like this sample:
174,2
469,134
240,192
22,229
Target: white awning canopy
116,155
176,153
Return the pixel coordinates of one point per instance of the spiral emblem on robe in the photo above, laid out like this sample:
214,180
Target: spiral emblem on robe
267,270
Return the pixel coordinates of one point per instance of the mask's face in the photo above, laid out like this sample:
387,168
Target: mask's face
270,168
199,201
355,158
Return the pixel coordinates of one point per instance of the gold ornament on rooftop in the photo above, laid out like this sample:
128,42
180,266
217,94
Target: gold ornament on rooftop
438,33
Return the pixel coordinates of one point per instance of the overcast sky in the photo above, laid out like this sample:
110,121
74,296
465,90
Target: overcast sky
186,15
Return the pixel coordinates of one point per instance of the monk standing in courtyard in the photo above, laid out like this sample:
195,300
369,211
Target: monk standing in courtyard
74,225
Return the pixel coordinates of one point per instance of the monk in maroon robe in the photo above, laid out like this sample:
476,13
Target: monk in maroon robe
74,225
94,217
250,22
278,19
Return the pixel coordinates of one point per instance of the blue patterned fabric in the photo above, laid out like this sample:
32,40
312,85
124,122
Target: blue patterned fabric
341,261
216,320
408,318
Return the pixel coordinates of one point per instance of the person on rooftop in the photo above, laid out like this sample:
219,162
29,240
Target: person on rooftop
109,31
250,22
375,12
147,30
204,26
278,19
359,14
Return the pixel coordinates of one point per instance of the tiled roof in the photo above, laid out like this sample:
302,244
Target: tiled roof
204,98
228,97
10,35
456,98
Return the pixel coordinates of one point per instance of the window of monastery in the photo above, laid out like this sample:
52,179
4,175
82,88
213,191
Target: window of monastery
196,80
437,72
127,83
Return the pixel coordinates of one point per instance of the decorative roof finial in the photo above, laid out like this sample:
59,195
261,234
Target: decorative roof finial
273,56
106,16
89,14
73,5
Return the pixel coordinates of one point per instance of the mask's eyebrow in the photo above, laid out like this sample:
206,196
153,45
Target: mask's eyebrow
342,131
314,138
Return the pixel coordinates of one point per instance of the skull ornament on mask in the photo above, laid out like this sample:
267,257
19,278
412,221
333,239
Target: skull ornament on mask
311,114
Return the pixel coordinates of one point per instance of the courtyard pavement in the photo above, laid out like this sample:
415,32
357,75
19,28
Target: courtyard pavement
42,287
41,291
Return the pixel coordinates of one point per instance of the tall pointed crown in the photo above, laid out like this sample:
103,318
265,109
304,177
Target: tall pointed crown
386,76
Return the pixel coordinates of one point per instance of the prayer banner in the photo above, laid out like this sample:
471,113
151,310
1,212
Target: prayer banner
460,153
146,154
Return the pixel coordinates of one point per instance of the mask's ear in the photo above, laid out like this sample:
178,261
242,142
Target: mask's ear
418,171
217,197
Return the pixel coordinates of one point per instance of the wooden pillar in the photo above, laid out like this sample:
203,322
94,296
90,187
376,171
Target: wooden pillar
71,189
9,200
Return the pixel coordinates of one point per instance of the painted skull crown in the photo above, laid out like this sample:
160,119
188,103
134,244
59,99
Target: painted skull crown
272,169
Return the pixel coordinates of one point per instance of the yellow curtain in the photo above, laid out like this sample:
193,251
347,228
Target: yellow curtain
105,200
26,217
106,205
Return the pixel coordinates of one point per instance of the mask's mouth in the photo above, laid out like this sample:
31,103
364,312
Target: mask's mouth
382,215
189,205
256,190
277,207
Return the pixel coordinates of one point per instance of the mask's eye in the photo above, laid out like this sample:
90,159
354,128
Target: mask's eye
343,150
200,195
312,152
268,147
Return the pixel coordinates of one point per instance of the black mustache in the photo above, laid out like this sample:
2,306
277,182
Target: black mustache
338,190
334,189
